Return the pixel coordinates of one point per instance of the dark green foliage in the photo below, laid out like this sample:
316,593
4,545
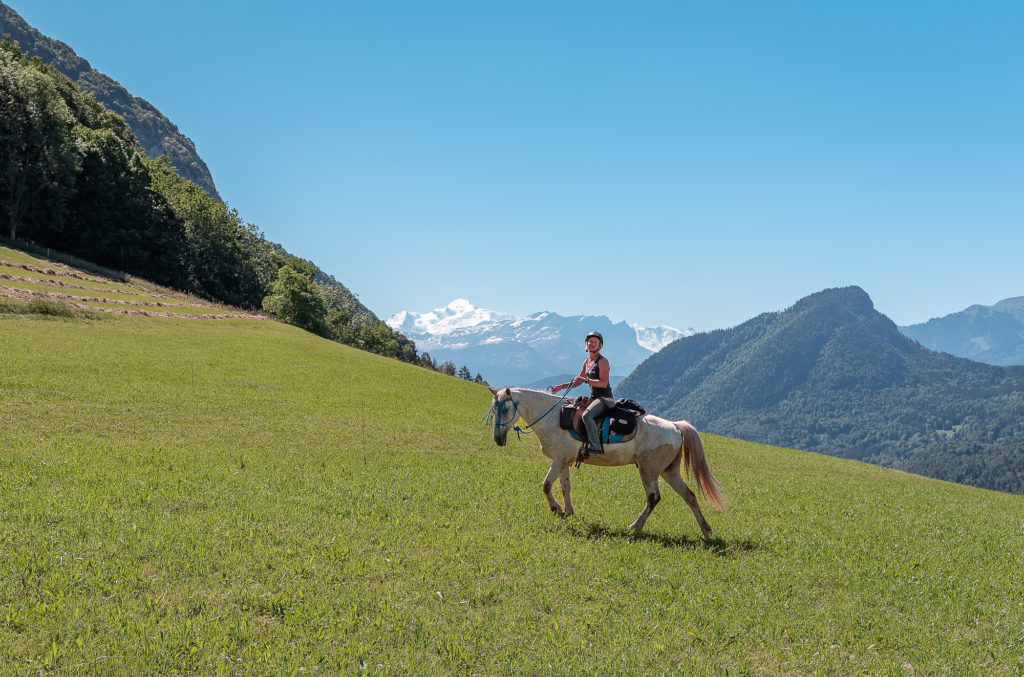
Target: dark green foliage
296,299
157,135
338,296
76,179
833,375
38,158
227,259
373,336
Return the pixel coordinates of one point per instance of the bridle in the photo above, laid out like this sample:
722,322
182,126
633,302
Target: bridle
496,414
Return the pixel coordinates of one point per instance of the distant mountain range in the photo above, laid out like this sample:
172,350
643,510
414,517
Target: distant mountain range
833,375
158,135
533,350
991,334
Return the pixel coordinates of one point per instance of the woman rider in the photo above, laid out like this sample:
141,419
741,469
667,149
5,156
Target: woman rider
595,372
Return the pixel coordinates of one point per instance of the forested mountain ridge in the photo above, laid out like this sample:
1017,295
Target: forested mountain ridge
74,178
157,135
991,334
834,376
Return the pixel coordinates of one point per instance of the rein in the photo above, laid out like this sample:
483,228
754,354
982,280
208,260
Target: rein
498,407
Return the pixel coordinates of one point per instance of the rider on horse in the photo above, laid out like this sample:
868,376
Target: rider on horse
595,372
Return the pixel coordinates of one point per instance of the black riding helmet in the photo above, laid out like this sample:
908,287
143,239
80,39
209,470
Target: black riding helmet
598,335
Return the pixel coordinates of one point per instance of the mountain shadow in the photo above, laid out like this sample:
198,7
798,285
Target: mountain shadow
833,375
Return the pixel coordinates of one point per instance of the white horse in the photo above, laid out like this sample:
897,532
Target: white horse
660,448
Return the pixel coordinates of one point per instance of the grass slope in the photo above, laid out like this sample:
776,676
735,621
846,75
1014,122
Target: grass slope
242,497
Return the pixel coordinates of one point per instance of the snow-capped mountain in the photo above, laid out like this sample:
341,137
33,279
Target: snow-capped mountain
509,350
459,314
656,338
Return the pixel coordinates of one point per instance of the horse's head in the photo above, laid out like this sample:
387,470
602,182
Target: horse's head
505,412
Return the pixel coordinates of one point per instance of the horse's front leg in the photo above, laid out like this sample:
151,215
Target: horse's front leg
557,471
563,481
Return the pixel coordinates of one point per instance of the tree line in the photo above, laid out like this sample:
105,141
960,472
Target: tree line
74,177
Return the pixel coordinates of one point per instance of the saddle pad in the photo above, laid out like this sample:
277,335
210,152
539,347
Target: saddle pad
615,437
607,436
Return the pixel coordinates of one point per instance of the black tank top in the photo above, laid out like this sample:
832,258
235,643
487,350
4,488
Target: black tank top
594,373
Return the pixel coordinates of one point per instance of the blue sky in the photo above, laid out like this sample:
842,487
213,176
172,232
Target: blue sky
681,163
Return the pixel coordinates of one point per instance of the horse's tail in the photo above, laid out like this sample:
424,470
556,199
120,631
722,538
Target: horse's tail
695,462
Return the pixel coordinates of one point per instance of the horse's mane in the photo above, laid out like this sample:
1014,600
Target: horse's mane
539,392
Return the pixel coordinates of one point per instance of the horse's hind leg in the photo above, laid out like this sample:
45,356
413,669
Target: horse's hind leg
563,481
675,480
649,478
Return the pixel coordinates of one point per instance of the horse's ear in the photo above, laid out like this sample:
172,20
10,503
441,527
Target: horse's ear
493,391
508,392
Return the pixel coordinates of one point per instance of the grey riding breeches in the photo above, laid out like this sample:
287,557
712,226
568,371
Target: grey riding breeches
599,406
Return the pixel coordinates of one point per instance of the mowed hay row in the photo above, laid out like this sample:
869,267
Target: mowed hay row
32,280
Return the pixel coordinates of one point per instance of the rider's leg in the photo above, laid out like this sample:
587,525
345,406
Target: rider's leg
599,406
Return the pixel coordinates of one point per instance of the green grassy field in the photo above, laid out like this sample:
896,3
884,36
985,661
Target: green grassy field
238,496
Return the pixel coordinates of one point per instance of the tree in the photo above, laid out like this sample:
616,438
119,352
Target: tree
464,373
228,259
38,161
447,367
295,298
377,337
75,177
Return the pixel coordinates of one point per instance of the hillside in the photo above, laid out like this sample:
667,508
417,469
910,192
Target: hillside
158,135
991,334
243,497
832,375
56,288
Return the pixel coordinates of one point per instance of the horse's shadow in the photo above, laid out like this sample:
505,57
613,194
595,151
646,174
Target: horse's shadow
582,528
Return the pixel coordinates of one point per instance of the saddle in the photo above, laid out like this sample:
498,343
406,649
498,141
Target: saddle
618,425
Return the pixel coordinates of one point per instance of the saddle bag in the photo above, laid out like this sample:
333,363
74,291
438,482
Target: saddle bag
630,406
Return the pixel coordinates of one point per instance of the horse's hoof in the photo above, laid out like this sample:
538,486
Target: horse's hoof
706,530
